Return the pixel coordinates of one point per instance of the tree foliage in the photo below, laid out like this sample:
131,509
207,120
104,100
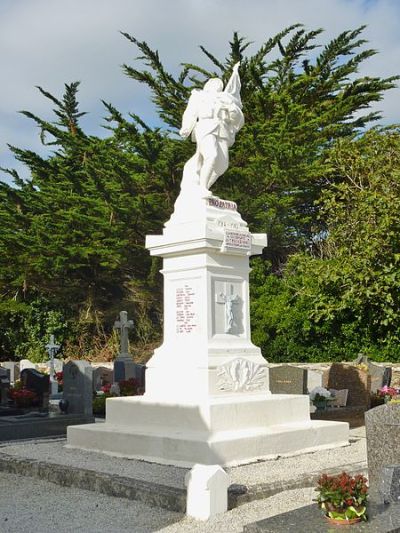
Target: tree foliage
72,249
344,298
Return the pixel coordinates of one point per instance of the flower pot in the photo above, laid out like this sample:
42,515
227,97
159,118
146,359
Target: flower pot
320,404
337,522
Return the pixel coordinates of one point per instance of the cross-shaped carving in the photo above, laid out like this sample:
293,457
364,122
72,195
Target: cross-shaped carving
124,325
228,299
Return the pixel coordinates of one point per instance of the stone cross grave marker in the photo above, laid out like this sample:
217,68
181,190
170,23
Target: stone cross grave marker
78,388
124,325
52,349
288,379
228,299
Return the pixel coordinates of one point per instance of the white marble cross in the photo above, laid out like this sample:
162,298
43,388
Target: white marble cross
228,299
123,324
52,349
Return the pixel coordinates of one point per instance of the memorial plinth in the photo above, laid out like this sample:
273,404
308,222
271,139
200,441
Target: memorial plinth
207,394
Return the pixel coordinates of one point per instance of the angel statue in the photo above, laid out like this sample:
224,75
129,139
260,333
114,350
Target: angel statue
212,117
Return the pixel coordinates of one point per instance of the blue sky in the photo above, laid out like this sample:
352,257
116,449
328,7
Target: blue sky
50,42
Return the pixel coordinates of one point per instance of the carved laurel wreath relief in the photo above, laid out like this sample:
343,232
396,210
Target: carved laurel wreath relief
240,375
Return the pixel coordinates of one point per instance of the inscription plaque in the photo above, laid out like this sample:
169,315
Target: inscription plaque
186,309
237,239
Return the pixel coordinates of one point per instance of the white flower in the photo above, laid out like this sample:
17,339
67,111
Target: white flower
321,392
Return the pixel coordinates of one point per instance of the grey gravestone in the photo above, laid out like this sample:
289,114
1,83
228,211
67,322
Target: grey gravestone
38,383
341,376
287,379
382,425
314,379
101,376
390,485
78,387
25,363
4,388
13,367
4,373
380,376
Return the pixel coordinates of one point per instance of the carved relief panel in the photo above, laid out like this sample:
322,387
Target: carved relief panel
228,307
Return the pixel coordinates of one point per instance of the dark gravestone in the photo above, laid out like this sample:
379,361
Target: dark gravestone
380,376
140,376
13,368
39,383
4,373
4,388
358,382
287,379
102,376
78,387
382,425
124,369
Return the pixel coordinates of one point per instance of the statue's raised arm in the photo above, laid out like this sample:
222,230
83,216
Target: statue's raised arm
213,117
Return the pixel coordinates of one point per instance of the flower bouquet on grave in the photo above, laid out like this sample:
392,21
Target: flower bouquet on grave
387,393
343,498
320,397
59,376
23,397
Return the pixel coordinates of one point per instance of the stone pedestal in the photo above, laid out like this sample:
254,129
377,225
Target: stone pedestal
207,394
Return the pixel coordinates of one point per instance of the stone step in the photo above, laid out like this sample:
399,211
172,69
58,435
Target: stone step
226,448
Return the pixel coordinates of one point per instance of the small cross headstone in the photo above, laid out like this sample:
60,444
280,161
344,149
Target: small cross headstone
124,325
228,299
124,367
52,349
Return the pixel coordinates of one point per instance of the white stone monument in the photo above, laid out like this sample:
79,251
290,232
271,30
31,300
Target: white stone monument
207,396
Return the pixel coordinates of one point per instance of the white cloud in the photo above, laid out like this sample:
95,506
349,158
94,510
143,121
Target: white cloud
50,42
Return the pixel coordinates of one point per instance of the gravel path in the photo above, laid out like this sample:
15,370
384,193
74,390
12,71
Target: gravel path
34,506
289,468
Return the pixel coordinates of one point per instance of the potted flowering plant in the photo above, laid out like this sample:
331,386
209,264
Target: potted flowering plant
343,498
23,397
387,393
320,397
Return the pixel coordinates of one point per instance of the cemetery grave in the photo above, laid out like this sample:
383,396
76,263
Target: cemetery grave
26,413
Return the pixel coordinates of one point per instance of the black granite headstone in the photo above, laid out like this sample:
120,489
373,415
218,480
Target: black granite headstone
39,383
